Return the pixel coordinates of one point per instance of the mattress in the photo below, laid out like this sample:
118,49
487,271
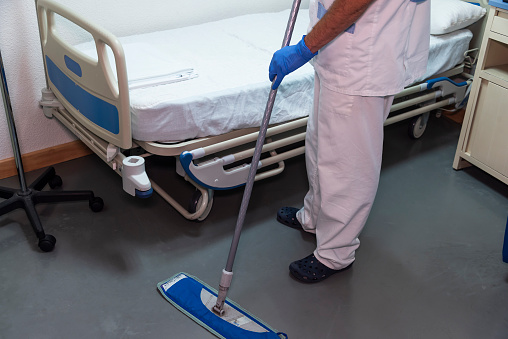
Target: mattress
212,78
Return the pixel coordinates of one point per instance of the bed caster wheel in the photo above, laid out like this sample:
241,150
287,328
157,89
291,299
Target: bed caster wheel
417,126
47,244
96,204
55,181
197,200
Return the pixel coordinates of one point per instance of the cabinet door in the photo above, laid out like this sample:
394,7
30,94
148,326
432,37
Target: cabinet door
488,141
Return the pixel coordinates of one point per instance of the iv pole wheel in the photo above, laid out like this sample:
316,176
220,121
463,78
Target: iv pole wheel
96,204
55,181
47,244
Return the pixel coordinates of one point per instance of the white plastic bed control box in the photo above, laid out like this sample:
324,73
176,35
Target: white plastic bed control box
205,116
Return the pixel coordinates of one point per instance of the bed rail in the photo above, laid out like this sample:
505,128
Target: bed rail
87,86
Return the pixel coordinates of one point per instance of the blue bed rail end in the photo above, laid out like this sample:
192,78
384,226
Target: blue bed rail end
96,110
432,82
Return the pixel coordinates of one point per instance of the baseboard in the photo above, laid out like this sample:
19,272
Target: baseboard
44,158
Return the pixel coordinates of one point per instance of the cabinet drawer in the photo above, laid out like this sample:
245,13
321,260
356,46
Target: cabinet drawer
488,142
500,23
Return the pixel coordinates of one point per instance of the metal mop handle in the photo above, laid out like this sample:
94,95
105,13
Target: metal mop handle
227,273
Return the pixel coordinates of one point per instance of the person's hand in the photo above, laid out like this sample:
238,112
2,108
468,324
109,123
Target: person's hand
287,60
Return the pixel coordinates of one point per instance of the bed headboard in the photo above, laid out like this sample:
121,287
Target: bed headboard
87,86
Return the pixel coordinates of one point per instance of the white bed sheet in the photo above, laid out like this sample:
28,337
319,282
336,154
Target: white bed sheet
231,59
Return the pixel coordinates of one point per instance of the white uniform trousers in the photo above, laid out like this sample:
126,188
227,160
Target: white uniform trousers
344,145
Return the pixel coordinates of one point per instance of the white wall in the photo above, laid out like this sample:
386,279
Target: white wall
19,44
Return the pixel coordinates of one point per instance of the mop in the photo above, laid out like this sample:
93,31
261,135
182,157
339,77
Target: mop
212,310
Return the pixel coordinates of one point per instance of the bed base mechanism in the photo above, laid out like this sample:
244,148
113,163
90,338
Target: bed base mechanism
210,166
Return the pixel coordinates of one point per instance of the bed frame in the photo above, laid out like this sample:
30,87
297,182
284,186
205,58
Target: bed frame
94,105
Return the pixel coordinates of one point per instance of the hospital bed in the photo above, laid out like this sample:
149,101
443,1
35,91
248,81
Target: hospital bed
198,93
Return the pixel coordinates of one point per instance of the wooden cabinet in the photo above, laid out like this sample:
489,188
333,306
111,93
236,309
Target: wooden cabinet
484,136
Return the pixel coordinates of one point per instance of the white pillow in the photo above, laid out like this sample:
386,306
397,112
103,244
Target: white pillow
450,15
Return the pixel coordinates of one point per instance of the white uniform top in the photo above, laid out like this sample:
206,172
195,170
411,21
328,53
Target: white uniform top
385,50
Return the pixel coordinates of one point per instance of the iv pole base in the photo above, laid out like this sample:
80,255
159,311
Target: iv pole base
34,195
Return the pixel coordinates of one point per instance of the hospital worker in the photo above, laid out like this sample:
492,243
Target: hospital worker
364,52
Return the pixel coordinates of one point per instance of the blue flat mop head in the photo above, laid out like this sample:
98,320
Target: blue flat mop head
196,300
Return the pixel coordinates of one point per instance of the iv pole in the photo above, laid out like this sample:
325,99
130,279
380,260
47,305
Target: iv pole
12,127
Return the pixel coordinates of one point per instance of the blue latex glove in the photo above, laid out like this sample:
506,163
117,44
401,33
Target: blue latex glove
287,60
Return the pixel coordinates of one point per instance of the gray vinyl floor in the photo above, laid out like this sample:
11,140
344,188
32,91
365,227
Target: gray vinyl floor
429,265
